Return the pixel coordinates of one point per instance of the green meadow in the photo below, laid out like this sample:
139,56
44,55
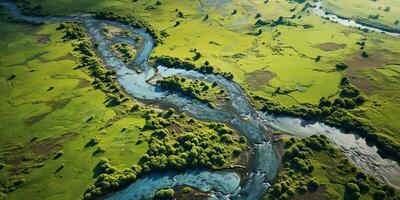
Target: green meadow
50,110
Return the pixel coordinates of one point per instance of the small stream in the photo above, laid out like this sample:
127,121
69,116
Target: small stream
254,125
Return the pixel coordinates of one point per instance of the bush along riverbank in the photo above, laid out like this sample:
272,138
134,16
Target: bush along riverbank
210,93
105,79
313,169
175,142
131,21
206,68
338,114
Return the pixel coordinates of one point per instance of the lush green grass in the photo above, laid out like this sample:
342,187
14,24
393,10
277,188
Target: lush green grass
27,113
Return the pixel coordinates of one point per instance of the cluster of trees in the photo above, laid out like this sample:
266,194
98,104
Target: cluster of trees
111,179
164,194
206,68
123,49
105,79
191,149
11,183
296,176
132,21
273,23
201,90
72,31
375,24
28,8
211,146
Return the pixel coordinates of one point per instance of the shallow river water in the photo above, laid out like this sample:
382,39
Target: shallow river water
256,126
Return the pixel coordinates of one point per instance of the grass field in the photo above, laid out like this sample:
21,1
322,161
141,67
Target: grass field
48,99
50,107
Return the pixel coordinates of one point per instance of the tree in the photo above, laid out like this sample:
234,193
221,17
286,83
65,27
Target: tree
164,194
341,66
379,195
312,185
353,191
339,102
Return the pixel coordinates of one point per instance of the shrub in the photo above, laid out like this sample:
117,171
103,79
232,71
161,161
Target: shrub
379,195
341,66
165,194
58,155
312,185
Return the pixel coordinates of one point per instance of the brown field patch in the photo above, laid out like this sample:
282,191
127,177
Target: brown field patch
373,60
54,105
25,157
42,39
83,83
357,71
259,78
330,46
363,83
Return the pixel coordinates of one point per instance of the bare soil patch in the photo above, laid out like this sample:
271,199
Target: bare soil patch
365,84
373,60
42,39
259,78
25,157
357,65
317,195
83,83
330,46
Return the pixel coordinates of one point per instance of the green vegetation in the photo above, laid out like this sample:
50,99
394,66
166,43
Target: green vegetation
211,94
175,142
132,21
313,169
65,112
206,68
53,111
124,51
55,91
278,51
165,194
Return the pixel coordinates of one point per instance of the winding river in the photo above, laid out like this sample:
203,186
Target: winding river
256,126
